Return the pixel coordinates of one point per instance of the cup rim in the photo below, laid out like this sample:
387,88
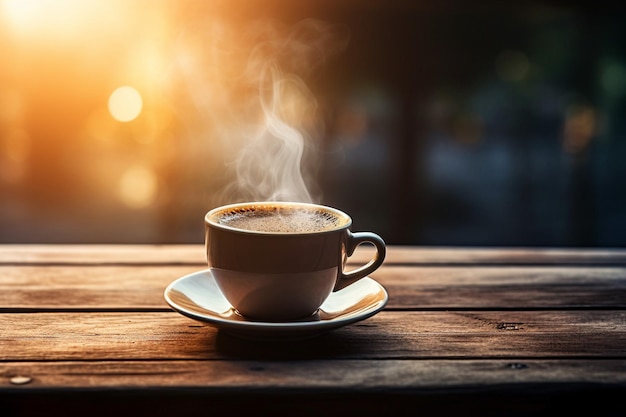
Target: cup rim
208,217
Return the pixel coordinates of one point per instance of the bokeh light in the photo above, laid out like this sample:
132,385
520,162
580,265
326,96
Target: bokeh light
138,187
127,109
15,147
579,128
613,80
125,104
512,65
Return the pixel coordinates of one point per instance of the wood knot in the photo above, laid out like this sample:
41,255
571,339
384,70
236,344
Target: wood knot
509,326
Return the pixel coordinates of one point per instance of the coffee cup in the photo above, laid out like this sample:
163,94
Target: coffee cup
279,261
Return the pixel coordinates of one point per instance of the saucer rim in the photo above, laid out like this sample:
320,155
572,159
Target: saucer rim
296,326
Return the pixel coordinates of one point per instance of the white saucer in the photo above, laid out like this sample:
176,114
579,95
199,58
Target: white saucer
197,296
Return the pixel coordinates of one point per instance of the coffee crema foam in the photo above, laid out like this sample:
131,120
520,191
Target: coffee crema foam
280,219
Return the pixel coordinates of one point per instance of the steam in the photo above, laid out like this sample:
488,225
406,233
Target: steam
269,165
250,90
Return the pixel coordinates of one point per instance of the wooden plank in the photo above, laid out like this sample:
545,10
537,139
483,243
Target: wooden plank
529,287
340,375
102,253
505,256
133,287
193,254
388,335
314,388
87,287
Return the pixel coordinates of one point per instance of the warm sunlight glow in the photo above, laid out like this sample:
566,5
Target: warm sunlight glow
21,13
60,19
130,104
125,104
15,147
138,187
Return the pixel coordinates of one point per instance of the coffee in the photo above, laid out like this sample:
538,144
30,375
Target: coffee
281,219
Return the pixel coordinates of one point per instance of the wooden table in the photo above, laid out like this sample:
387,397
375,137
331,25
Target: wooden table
85,330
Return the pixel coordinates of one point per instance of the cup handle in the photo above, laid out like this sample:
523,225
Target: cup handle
353,241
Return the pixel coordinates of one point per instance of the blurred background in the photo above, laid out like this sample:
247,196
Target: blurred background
459,123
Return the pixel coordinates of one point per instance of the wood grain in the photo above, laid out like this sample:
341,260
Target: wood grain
504,287
87,287
193,254
361,376
118,287
388,335
84,329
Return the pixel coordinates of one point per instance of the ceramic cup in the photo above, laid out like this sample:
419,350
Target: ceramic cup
279,261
